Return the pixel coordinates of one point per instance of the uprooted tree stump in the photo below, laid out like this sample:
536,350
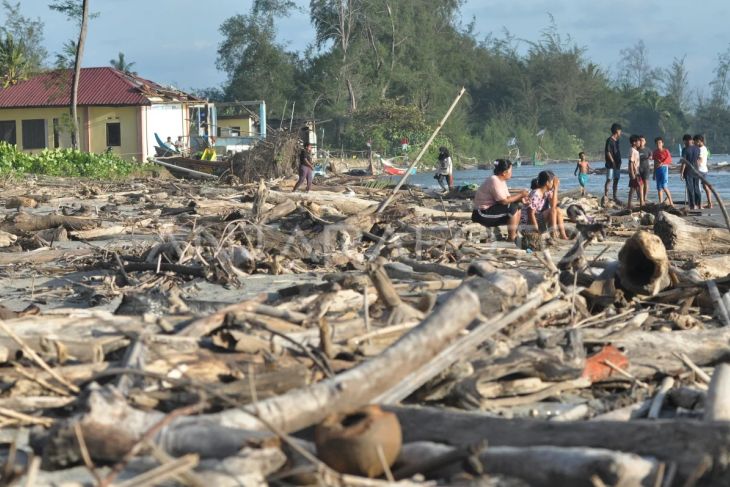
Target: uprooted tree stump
643,264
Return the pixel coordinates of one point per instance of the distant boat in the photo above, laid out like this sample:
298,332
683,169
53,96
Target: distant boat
396,171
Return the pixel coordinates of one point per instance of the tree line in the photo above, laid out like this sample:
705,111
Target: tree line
378,70
381,70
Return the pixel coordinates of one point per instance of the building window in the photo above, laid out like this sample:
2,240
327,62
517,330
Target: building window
34,134
113,134
7,132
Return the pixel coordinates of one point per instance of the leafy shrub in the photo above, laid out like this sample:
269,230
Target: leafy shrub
63,162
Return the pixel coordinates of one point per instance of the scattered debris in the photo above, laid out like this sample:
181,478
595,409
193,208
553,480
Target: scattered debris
175,332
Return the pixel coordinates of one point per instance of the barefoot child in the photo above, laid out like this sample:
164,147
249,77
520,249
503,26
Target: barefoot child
635,182
582,169
662,160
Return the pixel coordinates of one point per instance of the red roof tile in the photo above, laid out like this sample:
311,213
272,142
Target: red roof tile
97,87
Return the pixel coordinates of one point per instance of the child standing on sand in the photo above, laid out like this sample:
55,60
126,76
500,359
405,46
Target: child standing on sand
662,160
702,164
635,182
581,169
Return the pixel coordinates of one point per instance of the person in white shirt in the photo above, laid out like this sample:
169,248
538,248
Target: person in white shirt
702,164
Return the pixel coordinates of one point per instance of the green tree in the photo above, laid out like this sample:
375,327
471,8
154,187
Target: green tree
258,67
28,34
635,70
121,64
66,56
14,66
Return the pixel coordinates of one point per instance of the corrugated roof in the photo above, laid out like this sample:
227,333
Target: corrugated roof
97,87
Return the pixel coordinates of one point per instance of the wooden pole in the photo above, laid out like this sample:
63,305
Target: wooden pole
385,203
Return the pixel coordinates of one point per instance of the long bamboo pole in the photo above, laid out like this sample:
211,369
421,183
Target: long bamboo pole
385,203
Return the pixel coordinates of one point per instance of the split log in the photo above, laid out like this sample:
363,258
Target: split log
688,443
644,265
27,222
679,235
717,405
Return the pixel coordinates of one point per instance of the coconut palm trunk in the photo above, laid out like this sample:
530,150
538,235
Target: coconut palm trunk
77,74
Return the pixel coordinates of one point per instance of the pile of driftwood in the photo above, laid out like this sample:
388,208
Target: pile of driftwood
162,332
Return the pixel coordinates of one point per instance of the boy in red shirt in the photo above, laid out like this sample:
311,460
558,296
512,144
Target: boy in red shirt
662,161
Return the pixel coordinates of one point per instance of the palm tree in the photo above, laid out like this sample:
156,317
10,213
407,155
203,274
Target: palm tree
122,65
66,58
14,66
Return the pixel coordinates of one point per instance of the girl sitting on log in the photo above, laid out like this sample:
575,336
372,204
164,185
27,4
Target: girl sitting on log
493,204
541,212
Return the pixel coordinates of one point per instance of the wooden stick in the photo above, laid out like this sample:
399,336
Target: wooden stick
722,312
626,374
25,418
717,405
387,202
701,374
85,452
658,402
158,475
36,358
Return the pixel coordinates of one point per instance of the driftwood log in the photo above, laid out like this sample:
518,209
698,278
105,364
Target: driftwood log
27,222
691,444
549,465
677,234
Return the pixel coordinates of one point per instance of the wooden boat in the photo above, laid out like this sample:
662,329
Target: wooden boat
396,171
190,168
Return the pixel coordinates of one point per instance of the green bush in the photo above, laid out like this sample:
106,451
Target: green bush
63,162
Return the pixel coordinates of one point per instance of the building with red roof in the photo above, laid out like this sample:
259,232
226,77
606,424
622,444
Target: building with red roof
117,111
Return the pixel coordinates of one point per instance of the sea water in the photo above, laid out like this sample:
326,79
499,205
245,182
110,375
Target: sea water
523,175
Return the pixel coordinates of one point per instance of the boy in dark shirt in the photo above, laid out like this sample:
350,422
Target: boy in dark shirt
613,160
690,155
644,167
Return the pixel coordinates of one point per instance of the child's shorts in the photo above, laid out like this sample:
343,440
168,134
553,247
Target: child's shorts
583,179
662,177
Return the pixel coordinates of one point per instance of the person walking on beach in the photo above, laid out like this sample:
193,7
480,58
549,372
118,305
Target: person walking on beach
581,170
445,170
702,164
613,160
635,182
306,167
644,167
493,203
662,160
690,156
